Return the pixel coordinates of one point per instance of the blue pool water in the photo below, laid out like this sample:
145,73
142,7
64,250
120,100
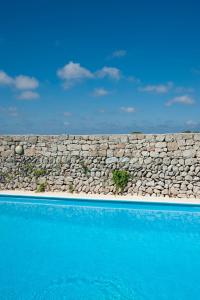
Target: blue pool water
56,249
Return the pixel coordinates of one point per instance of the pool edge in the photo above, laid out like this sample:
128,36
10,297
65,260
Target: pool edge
101,197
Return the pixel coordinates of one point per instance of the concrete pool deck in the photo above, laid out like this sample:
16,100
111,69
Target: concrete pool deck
127,198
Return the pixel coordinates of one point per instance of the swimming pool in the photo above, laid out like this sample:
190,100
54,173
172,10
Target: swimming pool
95,250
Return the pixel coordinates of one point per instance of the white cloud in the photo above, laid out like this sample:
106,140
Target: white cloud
158,89
185,100
128,109
28,95
112,73
119,53
100,92
72,73
5,79
23,82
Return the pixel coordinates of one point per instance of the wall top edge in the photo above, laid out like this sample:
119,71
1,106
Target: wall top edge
98,135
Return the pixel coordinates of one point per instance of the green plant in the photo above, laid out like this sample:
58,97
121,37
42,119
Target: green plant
41,187
5,177
39,172
71,188
29,167
120,179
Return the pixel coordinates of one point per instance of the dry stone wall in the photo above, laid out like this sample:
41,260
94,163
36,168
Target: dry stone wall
158,165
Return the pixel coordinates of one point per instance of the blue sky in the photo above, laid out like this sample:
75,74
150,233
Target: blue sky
83,67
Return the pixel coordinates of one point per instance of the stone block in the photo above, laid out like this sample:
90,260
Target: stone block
189,153
172,146
111,160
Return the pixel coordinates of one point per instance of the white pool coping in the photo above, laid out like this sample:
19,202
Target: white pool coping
83,196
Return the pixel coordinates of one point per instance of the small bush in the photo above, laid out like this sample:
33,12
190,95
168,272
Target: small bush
120,179
39,172
41,187
71,188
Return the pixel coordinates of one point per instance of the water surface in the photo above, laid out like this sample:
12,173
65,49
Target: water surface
52,249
